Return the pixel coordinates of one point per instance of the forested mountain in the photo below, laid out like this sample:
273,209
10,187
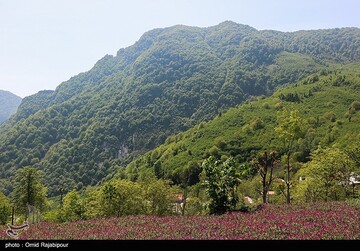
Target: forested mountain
167,82
9,103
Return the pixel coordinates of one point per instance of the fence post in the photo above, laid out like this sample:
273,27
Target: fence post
27,213
12,215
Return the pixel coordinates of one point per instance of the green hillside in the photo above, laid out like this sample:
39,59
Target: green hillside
167,82
328,101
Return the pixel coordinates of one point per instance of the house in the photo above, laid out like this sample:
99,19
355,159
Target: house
248,200
354,179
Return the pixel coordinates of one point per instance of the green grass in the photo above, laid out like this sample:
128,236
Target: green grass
294,61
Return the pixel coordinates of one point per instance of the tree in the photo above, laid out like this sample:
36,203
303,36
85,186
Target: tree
222,179
328,171
290,128
121,197
189,176
354,155
158,194
4,208
129,199
73,206
108,198
29,189
61,190
91,203
265,164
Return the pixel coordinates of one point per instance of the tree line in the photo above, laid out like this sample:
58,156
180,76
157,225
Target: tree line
331,174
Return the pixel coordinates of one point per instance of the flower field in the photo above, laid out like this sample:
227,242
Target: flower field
320,221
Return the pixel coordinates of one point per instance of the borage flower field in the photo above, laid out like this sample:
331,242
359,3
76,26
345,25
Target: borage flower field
320,221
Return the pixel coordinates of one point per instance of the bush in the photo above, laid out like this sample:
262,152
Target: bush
250,207
266,105
329,116
278,105
355,202
256,124
247,129
214,151
53,216
220,143
244,208
355,105
194,207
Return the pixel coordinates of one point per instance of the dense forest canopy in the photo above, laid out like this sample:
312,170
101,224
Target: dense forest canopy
167,82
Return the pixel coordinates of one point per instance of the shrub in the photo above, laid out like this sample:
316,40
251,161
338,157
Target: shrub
266,105
355,202
256,124
214,151
355,105
194,207
329,116
278,105
220,143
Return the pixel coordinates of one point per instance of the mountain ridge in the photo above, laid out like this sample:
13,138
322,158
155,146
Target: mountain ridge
144,43
168,81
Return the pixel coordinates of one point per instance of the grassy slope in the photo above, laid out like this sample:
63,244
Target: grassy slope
324,111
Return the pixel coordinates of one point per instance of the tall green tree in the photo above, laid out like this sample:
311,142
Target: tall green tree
159,196
108,198
73,206
290,127
92,205
222,180
29,189
121,197
4,208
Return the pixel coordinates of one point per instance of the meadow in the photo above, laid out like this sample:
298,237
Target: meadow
313,221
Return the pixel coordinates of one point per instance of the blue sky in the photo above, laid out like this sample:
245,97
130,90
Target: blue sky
45,42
